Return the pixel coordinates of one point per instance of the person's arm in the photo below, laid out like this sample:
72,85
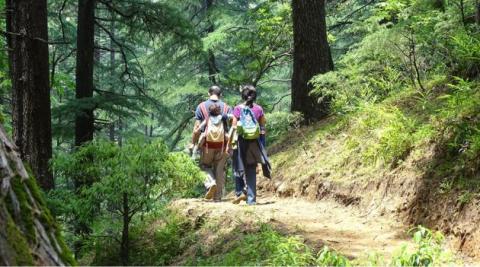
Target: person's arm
233,128
196,132
263,123
197,126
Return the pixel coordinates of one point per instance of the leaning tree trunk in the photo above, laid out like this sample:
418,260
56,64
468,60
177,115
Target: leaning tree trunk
28,58
311,56
84,120
28,233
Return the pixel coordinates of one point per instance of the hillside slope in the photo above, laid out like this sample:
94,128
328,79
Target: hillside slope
331,189
374,160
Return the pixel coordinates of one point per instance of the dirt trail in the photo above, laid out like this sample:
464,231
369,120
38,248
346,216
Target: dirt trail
343,228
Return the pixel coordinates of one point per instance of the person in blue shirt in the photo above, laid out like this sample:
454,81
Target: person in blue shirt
213,155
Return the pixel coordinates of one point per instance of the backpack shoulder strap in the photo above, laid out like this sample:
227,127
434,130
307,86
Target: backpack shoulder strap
248,110
203,108
225,108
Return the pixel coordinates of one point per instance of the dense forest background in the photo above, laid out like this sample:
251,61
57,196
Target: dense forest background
98,96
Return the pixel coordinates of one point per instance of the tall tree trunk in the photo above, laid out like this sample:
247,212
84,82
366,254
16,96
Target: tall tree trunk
84,120
28,234
311,56
212,66
125,245
112,71
477,12
28,58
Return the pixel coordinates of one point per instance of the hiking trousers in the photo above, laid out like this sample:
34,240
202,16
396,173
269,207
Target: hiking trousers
251,181
213,164
247,184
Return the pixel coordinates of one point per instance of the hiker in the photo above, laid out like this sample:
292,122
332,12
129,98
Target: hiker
210,133
250,148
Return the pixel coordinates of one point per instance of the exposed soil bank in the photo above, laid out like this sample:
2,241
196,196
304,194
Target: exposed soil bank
410,192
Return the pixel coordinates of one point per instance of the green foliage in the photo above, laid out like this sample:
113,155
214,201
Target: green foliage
460,117
269,247
253,43
133,179
466,49
328,257
280,123
154,242
368,73
428,251
265,247
381,134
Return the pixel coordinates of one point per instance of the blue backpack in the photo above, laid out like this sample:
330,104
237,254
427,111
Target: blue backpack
248,127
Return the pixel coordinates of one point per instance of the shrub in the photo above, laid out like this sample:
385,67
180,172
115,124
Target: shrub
279,123
328,257
264,247
428,250
122,183
381,134
466,52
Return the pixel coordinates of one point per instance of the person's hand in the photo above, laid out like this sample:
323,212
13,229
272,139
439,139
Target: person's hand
190,146
228,151
263,130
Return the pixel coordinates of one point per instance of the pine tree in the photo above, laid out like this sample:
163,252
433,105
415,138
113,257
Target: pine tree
84,120
28,57
311,56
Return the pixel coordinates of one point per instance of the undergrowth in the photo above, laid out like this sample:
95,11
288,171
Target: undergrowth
428,251
269,247
176,239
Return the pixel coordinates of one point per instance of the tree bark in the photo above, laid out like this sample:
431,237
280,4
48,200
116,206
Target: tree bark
28,234
84,120
125,245
211,63
477,12
112,70
28,58
311,56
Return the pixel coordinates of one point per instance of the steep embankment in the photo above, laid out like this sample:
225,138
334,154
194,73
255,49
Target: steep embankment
348,161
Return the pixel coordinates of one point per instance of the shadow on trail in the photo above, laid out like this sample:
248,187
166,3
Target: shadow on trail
265,203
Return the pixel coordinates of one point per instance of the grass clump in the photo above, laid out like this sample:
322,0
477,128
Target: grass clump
269,247
429,250
153,242
381,135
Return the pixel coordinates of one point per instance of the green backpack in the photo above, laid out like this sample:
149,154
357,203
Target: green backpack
248,127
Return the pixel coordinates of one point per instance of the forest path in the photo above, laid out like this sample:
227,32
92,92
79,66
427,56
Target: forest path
325,222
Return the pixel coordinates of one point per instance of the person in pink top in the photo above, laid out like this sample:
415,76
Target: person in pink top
249,152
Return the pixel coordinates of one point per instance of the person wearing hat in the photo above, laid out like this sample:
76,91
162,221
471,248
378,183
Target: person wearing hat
213,155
